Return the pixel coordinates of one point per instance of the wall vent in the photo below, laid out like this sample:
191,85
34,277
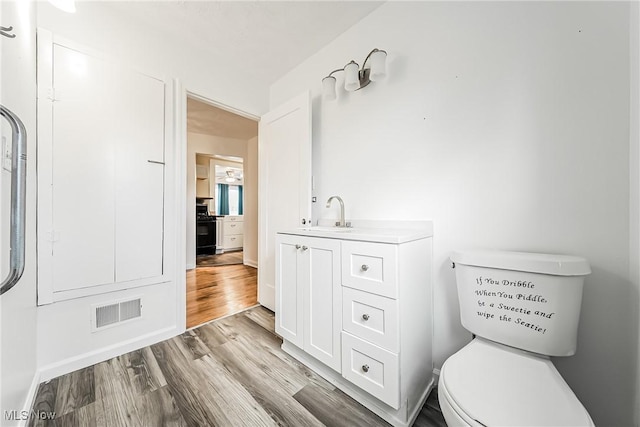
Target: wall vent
115,313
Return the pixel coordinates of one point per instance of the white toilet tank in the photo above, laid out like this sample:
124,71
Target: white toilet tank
524,300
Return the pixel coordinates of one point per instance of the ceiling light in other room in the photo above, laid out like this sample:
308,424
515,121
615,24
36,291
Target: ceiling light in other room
355,78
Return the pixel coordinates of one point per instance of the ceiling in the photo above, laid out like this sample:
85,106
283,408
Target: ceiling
209,120
259,39
262,39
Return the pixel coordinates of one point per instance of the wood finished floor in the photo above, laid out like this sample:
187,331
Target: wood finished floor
214,292
230,372
227,258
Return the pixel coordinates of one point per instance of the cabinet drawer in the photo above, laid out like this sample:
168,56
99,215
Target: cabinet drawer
230,242
371,317
371,368
234,227
370,267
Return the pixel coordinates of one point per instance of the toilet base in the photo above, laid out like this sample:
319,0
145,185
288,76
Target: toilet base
451,416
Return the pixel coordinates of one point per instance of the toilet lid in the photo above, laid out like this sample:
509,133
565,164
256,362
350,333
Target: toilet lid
500,386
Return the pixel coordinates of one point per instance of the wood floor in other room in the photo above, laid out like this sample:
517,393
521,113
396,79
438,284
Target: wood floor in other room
214,292
230,372
227,258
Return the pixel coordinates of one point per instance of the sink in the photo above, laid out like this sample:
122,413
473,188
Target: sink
368,231
321,229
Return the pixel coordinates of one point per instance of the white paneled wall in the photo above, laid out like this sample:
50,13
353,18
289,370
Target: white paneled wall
507,124
65,339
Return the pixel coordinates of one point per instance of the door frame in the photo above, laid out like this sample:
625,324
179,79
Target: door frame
180,94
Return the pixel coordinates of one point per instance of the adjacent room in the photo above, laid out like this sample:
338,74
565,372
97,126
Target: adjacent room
222,225
353,213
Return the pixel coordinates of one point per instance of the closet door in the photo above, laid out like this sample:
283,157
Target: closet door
139,176
101,172
82,170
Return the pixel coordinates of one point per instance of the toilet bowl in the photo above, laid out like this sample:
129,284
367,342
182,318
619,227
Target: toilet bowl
522,308
489,384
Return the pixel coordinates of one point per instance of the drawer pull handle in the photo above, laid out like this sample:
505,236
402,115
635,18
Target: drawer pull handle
364,267
298,246
365,317
365,368
304,248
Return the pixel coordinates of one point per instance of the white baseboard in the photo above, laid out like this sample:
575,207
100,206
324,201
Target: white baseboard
91,358
31,395
251,263
191,266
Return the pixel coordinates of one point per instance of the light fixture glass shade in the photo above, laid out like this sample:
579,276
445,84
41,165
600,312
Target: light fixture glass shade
351,78
68,6
378,65
329,88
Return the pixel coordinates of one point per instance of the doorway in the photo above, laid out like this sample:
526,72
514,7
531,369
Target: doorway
222,212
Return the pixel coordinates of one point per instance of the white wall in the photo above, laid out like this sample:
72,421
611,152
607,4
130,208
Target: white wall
18,314
250,223
202,185
506,123
65,342
634,169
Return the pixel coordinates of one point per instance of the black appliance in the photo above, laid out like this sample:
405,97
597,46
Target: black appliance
205,230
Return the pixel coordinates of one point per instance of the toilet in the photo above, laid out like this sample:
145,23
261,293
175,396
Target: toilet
522,308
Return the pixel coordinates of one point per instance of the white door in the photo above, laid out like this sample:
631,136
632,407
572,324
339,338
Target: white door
82,170
284,199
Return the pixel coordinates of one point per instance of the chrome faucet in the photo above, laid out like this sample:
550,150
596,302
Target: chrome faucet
340,223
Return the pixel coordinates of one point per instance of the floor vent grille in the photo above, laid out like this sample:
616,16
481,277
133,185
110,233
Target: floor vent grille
105,315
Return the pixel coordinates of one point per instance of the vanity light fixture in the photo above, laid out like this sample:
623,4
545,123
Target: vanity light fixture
355,78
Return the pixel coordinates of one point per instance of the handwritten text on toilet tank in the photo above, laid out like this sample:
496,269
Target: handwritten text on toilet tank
512,301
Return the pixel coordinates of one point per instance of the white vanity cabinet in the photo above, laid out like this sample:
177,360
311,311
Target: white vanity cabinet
309,295
371,291
386,317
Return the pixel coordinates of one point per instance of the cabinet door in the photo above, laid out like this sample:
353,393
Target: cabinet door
288,290
81,171
322,300
100,172
139,178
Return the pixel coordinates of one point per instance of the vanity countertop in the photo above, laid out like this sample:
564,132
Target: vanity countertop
371,231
